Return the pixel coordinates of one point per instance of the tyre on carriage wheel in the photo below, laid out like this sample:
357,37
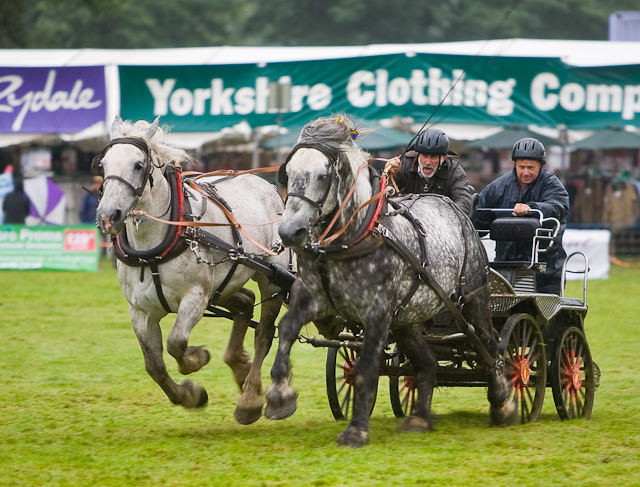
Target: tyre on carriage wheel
522,349
402,389
340,376
573,375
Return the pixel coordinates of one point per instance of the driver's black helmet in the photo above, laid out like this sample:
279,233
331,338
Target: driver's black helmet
432,141
528,148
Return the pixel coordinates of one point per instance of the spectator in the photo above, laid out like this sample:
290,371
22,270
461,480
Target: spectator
90,201
16,205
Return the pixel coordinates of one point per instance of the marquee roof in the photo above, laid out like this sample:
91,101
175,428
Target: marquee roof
571,52
575,53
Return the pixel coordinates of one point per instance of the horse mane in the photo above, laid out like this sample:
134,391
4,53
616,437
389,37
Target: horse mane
163,152
335,134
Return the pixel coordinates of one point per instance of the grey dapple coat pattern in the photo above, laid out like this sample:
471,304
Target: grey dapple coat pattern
368,290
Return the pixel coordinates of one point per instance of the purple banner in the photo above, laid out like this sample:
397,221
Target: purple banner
51,100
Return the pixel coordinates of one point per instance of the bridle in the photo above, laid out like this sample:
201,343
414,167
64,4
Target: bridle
97,169
332,156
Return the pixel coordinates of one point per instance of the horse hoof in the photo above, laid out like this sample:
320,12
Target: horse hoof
193,360
505,415
247,415
414,424
280,406
353,437
194,395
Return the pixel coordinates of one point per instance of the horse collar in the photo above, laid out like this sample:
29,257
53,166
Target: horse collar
172,245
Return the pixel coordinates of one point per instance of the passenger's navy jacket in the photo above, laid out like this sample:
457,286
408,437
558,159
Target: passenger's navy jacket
449,180
546,194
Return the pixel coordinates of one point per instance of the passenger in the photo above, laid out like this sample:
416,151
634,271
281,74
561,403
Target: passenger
528,186
429,166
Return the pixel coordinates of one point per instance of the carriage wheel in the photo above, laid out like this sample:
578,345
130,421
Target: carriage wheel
525,364
402,389
340,376
573,375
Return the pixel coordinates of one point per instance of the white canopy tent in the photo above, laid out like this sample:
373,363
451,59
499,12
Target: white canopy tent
573,53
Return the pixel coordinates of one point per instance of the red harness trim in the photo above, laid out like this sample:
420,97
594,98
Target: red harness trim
180,231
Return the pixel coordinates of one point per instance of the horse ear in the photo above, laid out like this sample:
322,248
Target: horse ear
153,128
116,127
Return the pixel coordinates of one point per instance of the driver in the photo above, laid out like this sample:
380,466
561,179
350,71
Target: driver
430,167
528,186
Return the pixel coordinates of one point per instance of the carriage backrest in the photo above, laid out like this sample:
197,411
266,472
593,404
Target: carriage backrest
514,229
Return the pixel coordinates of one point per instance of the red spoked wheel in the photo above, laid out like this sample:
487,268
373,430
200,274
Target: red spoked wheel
404,399
572,375
340,375
402,389
525,364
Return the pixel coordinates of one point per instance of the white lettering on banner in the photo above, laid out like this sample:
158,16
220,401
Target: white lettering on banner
228,101
28,235
365,88
547,93
160,93
34,101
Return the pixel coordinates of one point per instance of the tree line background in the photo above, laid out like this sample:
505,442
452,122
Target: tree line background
137,24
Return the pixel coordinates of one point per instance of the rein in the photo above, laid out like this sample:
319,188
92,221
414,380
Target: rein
231,218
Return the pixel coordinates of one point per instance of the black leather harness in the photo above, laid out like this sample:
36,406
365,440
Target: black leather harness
170,247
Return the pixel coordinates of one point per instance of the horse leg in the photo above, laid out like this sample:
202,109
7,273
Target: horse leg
411,343
281,397
235,356
251,401
501,411
149,334
189,358
366,375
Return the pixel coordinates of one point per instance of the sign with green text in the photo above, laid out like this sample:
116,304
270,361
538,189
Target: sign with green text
74,248
464,89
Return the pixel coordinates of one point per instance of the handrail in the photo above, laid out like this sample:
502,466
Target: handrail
584,271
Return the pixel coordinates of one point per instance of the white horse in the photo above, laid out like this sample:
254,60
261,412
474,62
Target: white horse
186,278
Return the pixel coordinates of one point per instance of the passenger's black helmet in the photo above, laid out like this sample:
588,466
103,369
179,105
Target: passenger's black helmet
432,141
529,148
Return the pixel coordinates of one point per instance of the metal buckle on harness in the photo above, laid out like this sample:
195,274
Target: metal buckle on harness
278,246
384,231
234,254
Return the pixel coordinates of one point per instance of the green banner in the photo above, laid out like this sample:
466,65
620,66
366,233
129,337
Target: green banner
476,90
73,248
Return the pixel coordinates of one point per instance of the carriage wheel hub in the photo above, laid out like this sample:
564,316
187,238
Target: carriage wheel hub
348,372
525,372
576,376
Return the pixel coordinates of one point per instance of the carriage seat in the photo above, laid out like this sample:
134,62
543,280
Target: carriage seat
520,274
515,230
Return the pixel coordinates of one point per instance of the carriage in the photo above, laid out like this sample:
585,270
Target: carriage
542,338
369,287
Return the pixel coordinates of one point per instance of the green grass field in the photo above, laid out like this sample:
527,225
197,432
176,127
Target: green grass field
78,409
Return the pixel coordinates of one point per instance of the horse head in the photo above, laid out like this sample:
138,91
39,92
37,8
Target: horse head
126,164
318,173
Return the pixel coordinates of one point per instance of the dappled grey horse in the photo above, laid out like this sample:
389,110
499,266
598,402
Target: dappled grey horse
161,271
363,276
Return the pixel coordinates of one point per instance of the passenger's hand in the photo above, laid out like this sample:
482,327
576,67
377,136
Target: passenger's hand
521,209
392,166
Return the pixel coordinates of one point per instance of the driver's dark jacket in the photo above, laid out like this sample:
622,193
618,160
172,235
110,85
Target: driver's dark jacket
547,194
449,180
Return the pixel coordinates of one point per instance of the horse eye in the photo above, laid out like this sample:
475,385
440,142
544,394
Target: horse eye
138,166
